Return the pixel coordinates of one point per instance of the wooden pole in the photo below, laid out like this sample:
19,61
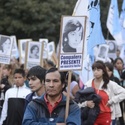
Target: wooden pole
42,55
68,95
54,59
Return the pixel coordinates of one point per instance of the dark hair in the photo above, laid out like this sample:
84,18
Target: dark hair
110,66
20,71
62,75
37,71
49,62
72,25
33,47
73,77
101,65
118,58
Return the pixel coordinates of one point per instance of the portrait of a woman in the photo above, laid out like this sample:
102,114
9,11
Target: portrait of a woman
72,36
5,45
34,52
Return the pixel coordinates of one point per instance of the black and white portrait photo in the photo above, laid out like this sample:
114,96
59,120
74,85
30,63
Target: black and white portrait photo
34,52
22,49
51,47
103,52
15,50
112,46
45,50
72,34
5,45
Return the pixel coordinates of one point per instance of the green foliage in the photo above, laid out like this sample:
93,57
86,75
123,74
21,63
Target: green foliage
34,18
40,18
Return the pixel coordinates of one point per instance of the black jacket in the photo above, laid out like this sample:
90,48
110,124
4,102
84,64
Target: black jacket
88,115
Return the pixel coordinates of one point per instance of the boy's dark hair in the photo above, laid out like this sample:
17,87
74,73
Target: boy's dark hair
37,71
20,71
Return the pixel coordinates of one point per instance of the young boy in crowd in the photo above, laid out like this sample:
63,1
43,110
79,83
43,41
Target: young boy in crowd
13,107
35,76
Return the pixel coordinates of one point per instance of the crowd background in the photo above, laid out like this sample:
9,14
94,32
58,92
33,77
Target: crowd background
31,19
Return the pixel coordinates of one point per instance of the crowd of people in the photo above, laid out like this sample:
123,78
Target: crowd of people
38,95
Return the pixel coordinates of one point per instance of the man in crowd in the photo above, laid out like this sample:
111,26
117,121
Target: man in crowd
50,108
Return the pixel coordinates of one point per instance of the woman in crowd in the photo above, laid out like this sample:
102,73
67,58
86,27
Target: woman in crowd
110,68
118,70
111,94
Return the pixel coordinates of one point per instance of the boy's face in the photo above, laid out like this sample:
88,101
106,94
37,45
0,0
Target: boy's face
35,84
18,79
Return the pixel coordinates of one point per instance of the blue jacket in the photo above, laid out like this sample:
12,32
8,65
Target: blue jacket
37,113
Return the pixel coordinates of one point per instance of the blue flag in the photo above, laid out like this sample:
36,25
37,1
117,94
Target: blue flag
94,36
91,9
113,23
122,21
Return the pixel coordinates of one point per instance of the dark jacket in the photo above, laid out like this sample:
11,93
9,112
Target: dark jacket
88,115
28,99
37,113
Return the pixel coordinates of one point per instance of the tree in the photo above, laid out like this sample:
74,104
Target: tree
40,18
34,18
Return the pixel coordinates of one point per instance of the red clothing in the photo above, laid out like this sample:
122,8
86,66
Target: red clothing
104,118
103,104
50,106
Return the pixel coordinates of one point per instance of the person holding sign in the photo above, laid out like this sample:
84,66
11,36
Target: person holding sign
50,108
72,36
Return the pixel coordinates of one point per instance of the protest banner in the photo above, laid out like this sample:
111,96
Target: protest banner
72,36
6,44
33,55
22,49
